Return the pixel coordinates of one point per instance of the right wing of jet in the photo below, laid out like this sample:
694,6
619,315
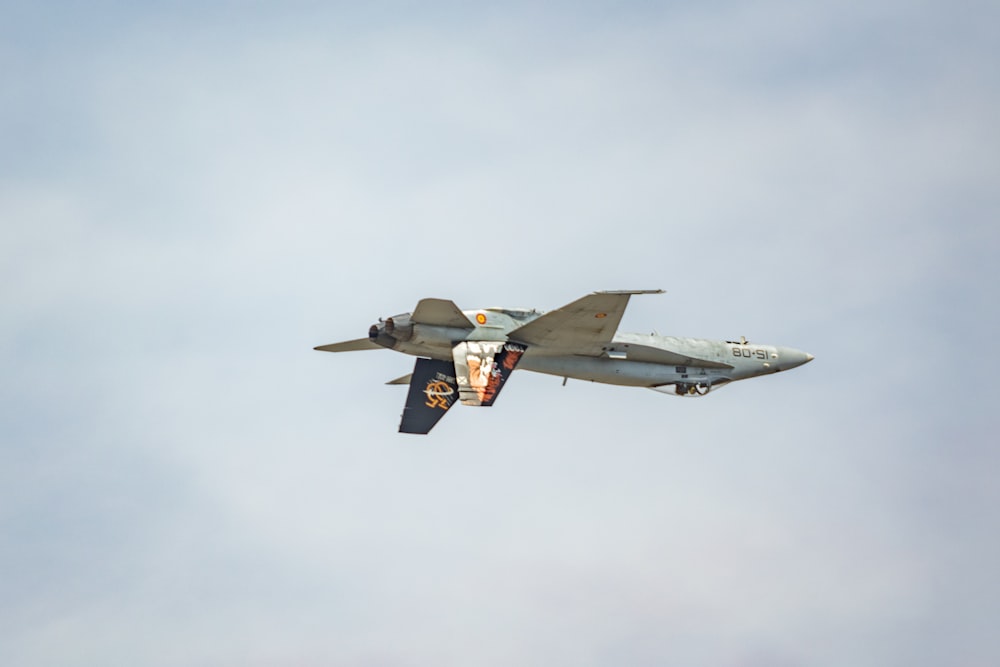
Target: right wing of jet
585,326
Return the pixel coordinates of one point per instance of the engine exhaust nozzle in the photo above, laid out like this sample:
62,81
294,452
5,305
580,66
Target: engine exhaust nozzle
399,326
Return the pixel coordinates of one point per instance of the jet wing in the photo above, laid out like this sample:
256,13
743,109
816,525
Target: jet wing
585,326
350,346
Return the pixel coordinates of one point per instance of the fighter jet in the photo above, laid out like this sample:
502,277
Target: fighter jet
468,356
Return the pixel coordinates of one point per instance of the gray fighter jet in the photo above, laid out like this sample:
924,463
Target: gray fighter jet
468,355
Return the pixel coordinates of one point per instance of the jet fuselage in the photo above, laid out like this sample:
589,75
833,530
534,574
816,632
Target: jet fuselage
467,356
675,365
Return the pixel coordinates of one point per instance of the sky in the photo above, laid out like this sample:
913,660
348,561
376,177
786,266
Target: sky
193,195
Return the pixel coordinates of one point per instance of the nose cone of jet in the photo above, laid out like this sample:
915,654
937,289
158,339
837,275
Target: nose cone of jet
792,358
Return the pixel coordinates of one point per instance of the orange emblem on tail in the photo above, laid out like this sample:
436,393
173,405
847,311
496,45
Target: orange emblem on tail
437,394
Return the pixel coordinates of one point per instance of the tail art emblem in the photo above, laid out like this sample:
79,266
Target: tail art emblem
437,392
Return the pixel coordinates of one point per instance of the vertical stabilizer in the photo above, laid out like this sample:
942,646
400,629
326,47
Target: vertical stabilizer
482,368
433,390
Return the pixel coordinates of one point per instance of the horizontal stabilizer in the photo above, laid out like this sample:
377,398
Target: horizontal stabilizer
441,313
402,380
350,346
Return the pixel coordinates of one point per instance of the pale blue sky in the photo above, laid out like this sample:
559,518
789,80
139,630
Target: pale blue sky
191,198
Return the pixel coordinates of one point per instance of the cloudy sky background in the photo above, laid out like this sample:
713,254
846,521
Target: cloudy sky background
193,196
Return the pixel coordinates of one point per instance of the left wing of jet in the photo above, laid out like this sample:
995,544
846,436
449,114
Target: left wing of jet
585,326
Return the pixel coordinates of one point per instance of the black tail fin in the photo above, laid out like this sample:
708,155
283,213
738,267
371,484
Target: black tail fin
433,390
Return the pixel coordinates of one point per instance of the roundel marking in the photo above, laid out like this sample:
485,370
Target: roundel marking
480,318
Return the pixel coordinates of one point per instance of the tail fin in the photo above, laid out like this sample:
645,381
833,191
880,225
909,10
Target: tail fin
433,390
482,369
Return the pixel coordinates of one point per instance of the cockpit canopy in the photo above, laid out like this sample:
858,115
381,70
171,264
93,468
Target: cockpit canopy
691,388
